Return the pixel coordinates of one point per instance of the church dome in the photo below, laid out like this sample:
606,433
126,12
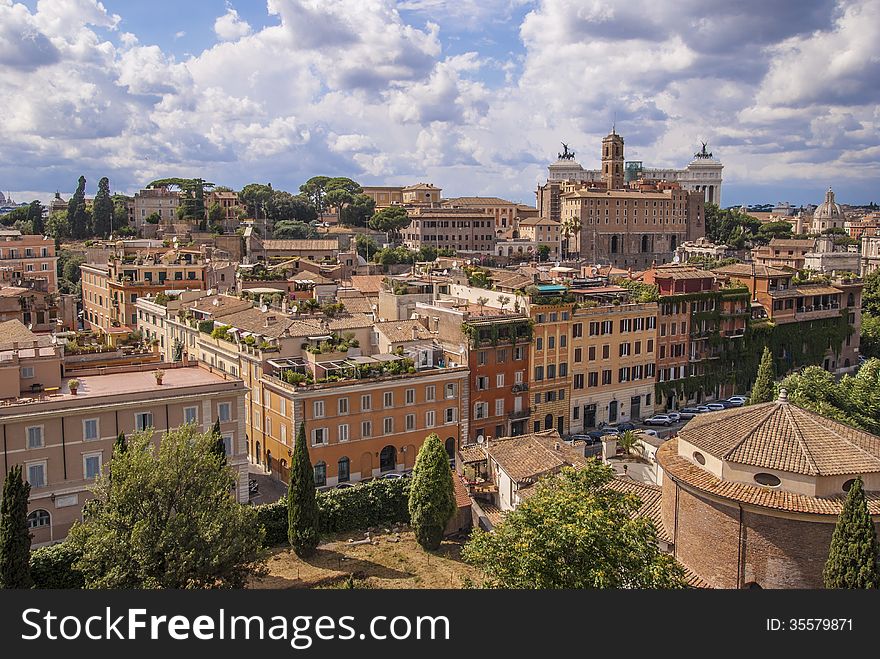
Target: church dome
829,211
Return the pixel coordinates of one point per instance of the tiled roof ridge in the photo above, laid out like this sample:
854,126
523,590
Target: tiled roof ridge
832,427
799,435
747,435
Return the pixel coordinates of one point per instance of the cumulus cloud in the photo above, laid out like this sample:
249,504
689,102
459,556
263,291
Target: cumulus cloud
230,27
390,92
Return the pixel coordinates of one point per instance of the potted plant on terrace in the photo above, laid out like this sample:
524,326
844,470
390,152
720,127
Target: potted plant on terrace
159,373
73,385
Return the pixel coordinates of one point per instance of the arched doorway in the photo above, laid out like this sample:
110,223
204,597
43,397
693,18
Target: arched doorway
644,244
548,422
409,456
614,244
343,470
673,243
268,460
388,459
612,412
366,465
450,448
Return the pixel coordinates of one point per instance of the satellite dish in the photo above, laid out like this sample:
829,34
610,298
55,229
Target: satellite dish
294,308
480,439
264,308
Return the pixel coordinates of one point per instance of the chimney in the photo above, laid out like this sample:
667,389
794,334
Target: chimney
270,320
415,333
557,446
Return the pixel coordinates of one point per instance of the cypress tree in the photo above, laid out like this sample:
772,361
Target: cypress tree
302,502
102,209
77,216
762,390
219,445
35,217
15,538
854,559
431,493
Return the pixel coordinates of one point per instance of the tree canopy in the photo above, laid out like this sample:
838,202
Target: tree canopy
574,532
15,536
170,522
431,494
102,210
389,220
762,389
853,400
302,504
854,556
729,226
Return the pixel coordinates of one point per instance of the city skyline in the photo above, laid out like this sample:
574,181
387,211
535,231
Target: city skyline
474,97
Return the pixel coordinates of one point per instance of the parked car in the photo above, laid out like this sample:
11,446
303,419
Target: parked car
344,486
715,407
688,413
735,402
590,438
658,420
596,435
625,427
392,475
648,431
675,416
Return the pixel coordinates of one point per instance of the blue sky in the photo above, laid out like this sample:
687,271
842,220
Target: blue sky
472,95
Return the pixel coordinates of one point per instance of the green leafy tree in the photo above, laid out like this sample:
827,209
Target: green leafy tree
35,217
170,523
762,390
15,537
390,220
293,230
16,216
102,210
543,252
871,293
77,215
219,446
315,189
215,213
294,208
853,400
155,218
121,444
854,557
431,494
869,346
256,199
302,504
770,230
729,227
575,532
366,246
58,227
358,211
120,211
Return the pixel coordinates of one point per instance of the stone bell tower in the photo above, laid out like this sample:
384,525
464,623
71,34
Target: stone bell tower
612,161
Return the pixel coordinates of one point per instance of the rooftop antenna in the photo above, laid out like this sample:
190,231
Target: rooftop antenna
614,123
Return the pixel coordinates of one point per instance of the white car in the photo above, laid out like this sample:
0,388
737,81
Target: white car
658,420
715,407
648,431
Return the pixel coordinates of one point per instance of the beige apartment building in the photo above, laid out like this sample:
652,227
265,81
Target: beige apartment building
28,261
371,421
613,354
504,212
410,195
111,290
550,358
62,439
629,228
459,229
162,201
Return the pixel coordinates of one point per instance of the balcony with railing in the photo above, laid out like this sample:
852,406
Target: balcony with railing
520,414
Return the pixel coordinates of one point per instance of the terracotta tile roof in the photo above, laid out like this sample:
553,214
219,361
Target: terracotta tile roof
745,269
686,472
493,513
13,291
258,322
462,498
301,245
478,201
538,221
471,453
785,437
367,284
351,321
399,331
14,331
799,291
354,301
682,272
219,305
793,242
528,457
650,496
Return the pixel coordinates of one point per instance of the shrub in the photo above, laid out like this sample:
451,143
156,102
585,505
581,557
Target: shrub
380,502
52,567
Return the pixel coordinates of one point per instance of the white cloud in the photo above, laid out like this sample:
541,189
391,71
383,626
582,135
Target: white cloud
377,91
230,27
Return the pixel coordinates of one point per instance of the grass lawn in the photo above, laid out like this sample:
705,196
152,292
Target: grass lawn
389,564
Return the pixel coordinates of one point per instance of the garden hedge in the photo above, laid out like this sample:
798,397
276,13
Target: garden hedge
379,502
